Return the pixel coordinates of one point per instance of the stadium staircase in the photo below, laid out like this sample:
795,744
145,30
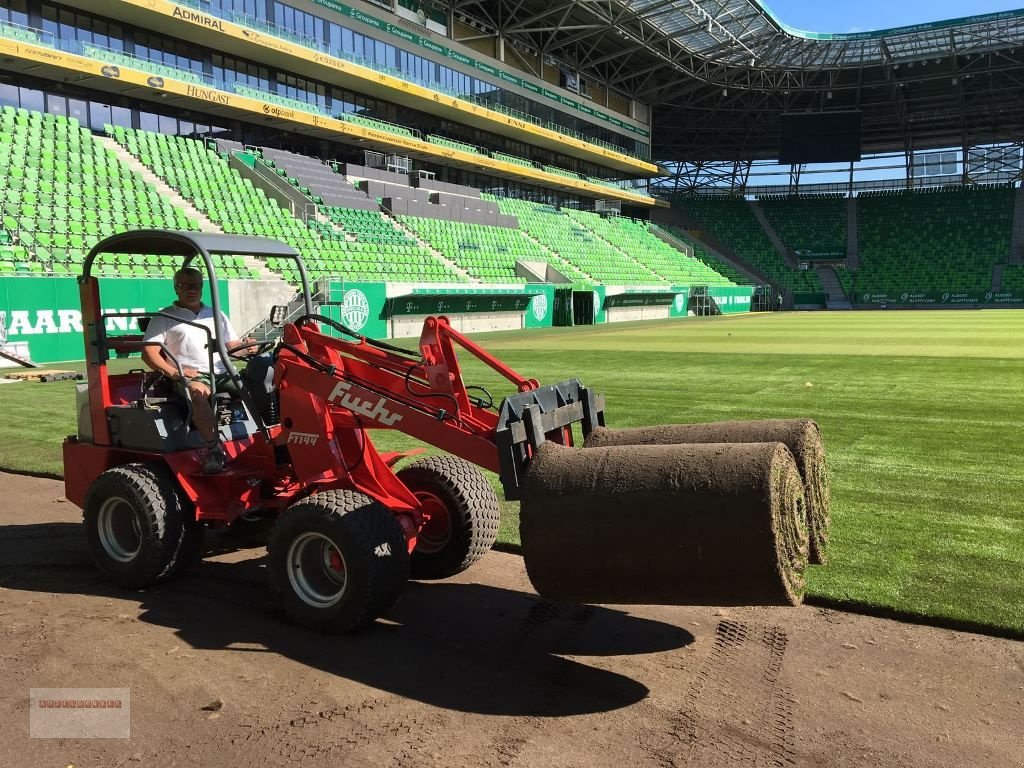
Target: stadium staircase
730,227
634,239
773,236
1017,237
852,251
61,191
739,273
411,234
997,277
205,225
587,257
836,297
488,254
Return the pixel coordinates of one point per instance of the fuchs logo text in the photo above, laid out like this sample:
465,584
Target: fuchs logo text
375,411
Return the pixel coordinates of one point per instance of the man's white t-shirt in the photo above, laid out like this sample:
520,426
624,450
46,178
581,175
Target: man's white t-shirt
188,343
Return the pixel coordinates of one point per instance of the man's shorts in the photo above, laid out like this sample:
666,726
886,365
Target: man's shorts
224,384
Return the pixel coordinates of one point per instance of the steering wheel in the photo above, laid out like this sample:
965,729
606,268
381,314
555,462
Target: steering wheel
255,349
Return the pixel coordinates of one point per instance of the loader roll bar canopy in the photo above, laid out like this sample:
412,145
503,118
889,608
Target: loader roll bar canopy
188,245
159,242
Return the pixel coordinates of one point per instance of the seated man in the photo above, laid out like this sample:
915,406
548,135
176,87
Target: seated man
188,344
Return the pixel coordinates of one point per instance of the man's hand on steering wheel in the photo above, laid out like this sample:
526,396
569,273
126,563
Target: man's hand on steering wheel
248,347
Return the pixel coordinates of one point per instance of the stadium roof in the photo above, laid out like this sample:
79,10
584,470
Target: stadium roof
718,73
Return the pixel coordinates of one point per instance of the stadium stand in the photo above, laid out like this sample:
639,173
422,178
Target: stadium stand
62,191
946,240
317,180
635,238
452,144
1013,278
706,257
204,178
732,222
487,253
810,227
591,258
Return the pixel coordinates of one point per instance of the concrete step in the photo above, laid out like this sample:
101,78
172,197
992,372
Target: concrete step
852,238
560,265
205,225
1017,238
423,243
787,257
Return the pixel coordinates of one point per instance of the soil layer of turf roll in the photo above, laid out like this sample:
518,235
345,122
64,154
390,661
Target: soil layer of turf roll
712,524
801,436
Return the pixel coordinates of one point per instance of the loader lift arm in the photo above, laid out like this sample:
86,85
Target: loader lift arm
369,384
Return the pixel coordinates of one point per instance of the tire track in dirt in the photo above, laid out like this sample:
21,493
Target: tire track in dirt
737,711
364,733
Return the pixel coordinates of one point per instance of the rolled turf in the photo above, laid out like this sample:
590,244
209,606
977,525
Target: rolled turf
712,524
801,436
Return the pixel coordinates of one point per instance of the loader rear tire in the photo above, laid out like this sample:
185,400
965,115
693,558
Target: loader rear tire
464,515
338,560
139,525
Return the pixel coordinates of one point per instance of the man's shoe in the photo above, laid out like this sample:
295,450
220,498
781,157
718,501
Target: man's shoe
215,462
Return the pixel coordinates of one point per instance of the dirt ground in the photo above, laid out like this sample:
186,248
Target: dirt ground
477,672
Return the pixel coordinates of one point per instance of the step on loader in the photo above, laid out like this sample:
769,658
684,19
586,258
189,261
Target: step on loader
678,523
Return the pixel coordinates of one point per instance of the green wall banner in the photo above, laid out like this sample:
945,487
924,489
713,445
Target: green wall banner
732,300
359,306
45,312
681,303
458,304
881,299
541,312
653,299
600,313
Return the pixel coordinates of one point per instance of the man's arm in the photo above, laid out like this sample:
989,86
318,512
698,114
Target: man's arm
151,356
232,342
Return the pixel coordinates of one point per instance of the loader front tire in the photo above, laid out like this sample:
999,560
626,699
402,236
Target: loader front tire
139,525
464,515
338,560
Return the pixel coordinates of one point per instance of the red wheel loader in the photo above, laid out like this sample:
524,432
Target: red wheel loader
348,530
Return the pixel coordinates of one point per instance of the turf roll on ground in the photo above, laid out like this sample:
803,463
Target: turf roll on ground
801,436
712,524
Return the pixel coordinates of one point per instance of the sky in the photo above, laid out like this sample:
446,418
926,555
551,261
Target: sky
867,15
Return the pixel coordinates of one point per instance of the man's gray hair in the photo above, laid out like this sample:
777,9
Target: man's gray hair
187,272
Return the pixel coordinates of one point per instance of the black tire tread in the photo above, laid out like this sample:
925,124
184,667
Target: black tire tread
167,532
469,489
367,524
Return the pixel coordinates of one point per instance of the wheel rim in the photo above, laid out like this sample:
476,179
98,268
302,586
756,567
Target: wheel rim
316,570
119,531
437,531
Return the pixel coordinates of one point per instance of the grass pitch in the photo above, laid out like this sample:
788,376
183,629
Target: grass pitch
922,414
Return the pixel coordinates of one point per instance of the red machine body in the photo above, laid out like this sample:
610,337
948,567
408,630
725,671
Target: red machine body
332,392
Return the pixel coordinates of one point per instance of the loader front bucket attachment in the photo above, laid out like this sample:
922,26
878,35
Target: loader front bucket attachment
801,436
711,524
